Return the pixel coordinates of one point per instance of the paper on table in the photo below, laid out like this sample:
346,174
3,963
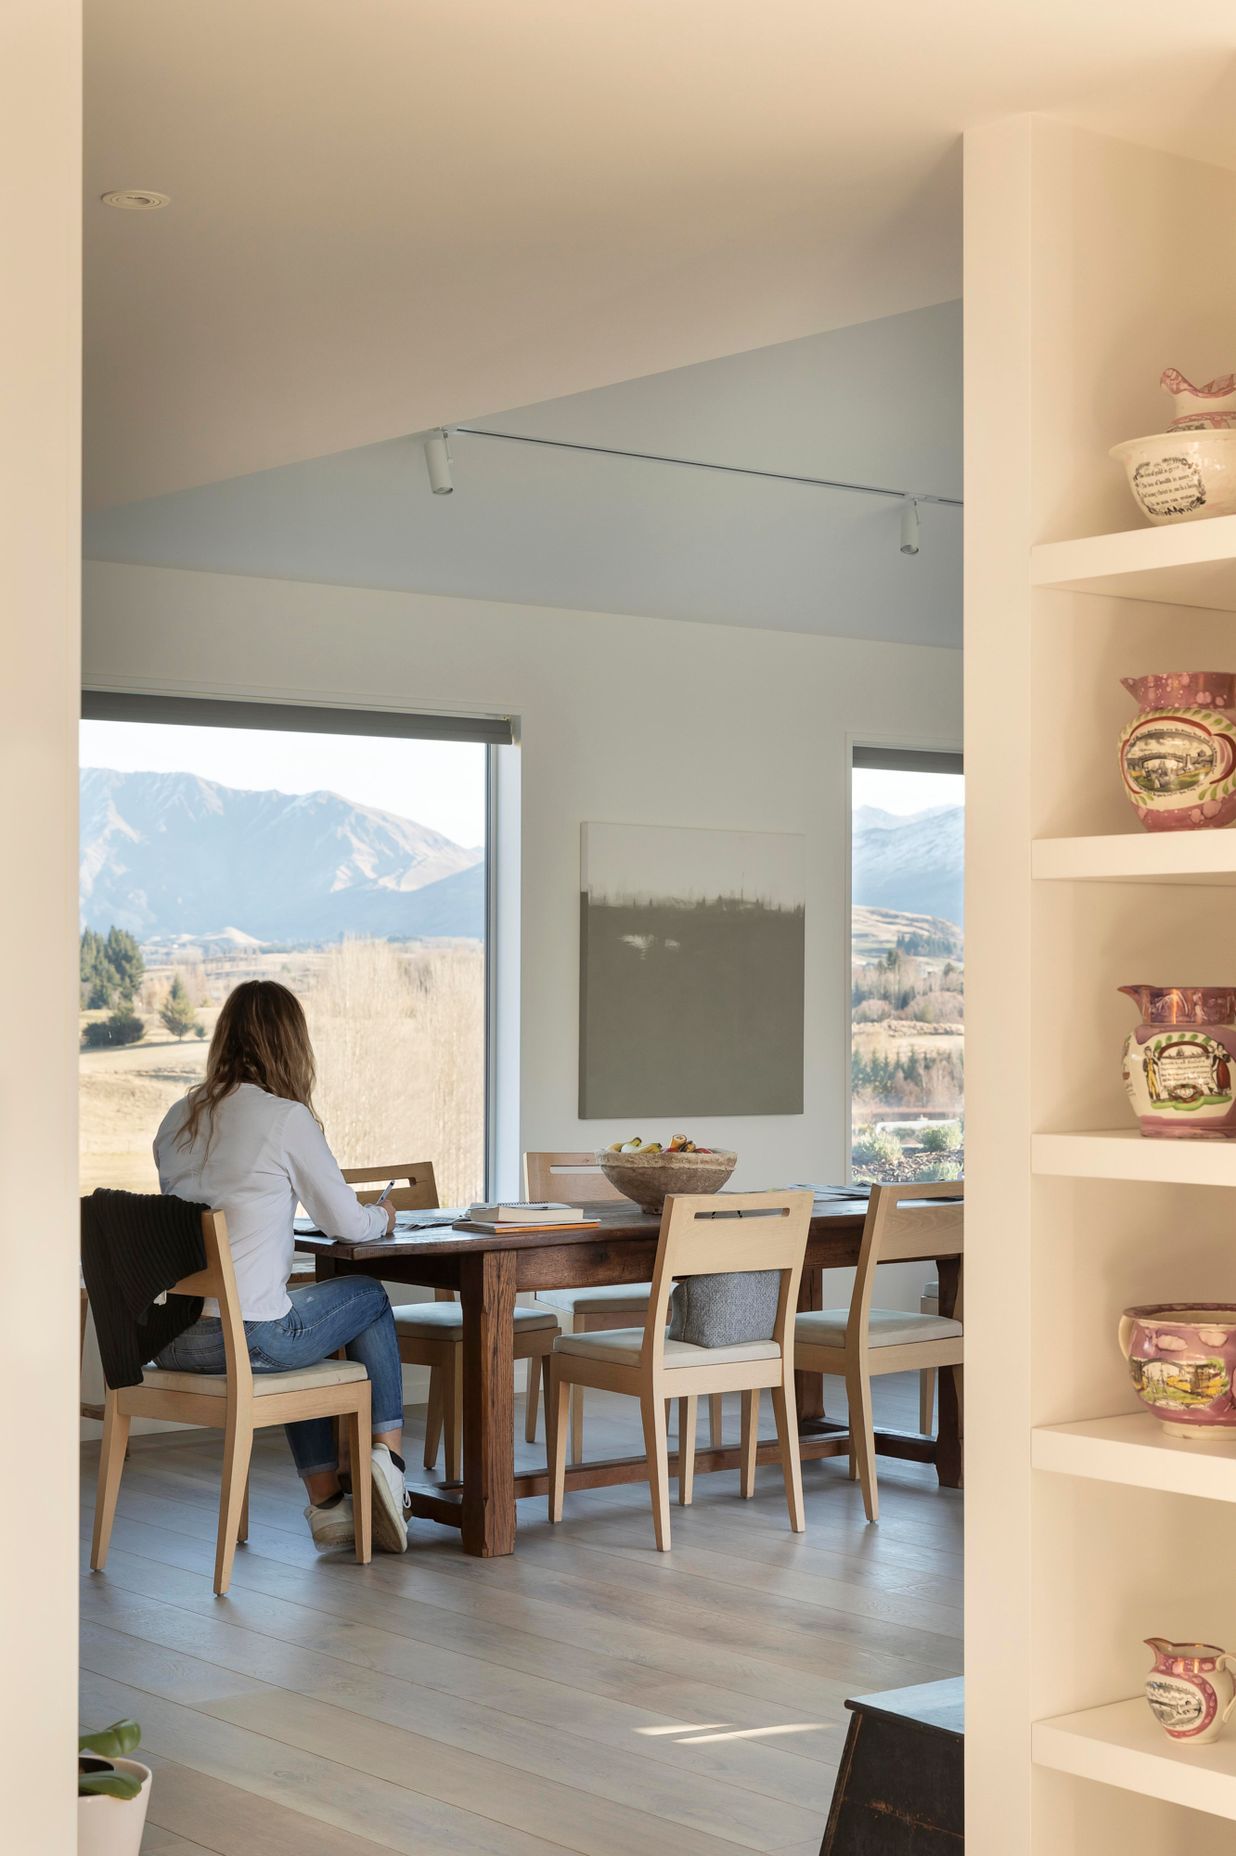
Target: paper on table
857,1191
404,1221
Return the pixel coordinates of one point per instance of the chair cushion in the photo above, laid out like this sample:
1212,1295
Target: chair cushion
622,1346
726,1309
444,1320
616,1298
325,1373
889,1327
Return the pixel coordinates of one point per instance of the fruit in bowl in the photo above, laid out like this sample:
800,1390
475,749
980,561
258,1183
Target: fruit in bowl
647,1171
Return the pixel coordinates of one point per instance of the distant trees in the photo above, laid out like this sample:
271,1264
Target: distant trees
905,982
111,969
911,1078
178,1012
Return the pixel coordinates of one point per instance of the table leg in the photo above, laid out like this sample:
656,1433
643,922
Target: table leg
487,1293
809,1387
949,1420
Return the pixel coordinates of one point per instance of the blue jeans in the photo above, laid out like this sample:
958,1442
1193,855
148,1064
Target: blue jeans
352,1312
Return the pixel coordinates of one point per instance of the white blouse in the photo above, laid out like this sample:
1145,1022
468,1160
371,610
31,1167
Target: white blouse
264,1155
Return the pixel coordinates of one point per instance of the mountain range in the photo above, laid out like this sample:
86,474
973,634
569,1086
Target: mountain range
170,855
911,862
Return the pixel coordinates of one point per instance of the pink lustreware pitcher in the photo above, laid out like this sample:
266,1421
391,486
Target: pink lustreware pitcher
1191,1689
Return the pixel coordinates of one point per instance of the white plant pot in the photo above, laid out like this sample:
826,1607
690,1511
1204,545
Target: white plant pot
114,1826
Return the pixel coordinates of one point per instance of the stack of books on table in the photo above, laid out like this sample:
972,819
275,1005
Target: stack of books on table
525,1215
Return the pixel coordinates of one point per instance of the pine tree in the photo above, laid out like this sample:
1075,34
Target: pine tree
98,983
178,1013
124,957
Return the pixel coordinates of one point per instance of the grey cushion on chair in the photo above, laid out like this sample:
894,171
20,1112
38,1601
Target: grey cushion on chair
725,1310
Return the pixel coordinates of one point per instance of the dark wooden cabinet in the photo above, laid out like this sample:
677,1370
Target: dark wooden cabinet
901,1790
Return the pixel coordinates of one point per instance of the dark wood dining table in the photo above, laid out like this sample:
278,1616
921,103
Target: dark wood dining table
488,1270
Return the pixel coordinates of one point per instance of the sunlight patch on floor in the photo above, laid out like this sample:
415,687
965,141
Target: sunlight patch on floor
710,1733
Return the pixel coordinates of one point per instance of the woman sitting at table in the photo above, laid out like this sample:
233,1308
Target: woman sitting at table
247,1142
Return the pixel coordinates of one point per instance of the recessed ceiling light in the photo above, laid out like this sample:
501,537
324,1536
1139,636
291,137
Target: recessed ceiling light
137,200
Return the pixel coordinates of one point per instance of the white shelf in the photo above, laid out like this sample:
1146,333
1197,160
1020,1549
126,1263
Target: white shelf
1202,857
1135,1450
1188,564
1125,1154
1123,1745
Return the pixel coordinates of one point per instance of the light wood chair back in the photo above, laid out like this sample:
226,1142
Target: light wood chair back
712,1234
577,1179
903,1223
218,1279
418,1193
567,1178
906,1223
702,1234
236,1410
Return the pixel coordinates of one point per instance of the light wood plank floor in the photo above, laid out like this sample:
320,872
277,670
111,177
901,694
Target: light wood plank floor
587,1694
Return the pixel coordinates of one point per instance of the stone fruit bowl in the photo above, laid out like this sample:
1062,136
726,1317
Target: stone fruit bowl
648,1177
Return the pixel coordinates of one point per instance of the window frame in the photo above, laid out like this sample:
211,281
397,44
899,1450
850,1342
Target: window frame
894,756
284,715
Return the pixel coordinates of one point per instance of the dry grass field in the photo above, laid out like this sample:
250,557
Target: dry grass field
399,1035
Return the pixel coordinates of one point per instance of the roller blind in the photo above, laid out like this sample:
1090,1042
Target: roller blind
295,718
908,760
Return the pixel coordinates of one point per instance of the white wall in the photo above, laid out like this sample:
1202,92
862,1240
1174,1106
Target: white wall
621,718
40,496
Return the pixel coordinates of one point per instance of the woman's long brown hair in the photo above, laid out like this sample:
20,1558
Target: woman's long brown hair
261,1037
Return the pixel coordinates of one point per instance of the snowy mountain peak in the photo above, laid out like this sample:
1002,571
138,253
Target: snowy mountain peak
912,862
169,854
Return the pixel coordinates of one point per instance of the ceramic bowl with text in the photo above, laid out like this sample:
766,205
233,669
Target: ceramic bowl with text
1181,476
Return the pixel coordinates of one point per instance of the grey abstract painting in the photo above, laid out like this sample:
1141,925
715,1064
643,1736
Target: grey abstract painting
691,972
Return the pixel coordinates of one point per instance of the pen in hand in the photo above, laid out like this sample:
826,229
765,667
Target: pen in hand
387,1189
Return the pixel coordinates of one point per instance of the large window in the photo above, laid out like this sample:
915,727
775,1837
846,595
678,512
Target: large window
907,967
351,867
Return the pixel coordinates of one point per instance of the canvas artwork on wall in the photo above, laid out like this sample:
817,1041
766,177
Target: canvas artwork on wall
691,973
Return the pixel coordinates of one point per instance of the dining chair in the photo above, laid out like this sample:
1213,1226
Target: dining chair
702,1234
577,1179
929,1304
86,1408
237,1401
431,1333
860,1342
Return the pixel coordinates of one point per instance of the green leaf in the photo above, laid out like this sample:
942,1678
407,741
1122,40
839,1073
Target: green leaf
114,1742
108,1785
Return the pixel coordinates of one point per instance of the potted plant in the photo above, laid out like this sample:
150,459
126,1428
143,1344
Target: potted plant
113,1791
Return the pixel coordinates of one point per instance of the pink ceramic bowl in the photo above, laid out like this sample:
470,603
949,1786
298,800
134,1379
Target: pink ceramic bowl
1181,1359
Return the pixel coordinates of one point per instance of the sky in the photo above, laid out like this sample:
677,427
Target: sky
905,793
438,783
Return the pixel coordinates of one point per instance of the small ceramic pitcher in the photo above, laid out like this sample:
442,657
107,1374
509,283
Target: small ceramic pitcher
1198,409
1191,1689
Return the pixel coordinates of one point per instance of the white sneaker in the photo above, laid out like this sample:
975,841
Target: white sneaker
391,1502
332,1527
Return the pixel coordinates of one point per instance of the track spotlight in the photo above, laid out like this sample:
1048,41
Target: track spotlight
909,528
438,464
